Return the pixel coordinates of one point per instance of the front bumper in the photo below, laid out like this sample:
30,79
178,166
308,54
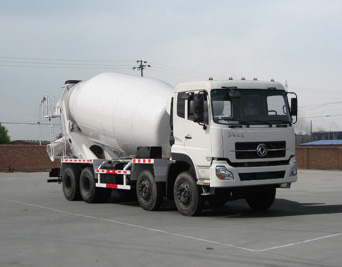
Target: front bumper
252,176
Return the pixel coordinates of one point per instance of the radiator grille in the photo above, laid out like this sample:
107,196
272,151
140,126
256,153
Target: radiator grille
249,150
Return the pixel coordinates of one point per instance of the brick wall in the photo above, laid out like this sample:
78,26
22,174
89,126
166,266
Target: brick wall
319,157
25,158
33,158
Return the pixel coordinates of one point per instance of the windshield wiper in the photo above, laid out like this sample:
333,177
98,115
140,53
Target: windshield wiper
279,122
269,122
259,122
231,122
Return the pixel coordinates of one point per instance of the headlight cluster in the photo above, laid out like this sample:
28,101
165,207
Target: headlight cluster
293,171
223,174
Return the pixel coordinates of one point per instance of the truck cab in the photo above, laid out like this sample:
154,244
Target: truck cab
235,134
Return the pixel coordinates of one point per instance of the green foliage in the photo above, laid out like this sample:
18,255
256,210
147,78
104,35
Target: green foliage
4,137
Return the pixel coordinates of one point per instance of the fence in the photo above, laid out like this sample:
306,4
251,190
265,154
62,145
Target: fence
25,158
32,158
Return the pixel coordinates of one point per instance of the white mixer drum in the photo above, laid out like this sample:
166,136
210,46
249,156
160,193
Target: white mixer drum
123,111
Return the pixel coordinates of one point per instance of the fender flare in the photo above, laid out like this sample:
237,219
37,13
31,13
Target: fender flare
185,158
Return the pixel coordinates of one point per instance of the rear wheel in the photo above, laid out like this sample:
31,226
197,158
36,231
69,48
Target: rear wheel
149,193
89,192
261,201
70,183
187,195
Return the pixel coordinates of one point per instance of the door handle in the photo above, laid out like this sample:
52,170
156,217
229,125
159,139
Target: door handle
188,137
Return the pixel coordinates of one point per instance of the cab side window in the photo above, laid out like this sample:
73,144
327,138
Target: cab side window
181,105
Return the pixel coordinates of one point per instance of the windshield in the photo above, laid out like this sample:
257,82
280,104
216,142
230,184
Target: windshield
250,106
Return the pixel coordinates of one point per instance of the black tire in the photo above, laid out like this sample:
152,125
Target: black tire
70,183
89,192
149,193
187,195
261,201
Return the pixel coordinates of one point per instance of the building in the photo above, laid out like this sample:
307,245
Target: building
332,135
317,136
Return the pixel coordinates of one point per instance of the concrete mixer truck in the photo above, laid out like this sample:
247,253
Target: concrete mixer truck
200,142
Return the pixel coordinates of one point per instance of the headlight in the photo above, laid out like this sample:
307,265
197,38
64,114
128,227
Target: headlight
293,171
223,174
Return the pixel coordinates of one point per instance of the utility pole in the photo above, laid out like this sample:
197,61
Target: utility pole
141,66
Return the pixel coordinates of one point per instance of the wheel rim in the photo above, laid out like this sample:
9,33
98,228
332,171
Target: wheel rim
184,194
144,189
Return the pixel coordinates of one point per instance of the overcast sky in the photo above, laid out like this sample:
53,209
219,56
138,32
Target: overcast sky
45,42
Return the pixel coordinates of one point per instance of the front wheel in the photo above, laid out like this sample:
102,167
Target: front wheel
261,201
187,195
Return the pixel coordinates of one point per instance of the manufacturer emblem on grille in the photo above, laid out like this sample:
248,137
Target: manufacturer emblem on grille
261,150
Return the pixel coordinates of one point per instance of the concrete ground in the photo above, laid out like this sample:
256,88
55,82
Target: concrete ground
38,227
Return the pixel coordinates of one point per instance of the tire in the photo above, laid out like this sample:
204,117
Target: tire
70,183
89,192
261,201
187,195
149,193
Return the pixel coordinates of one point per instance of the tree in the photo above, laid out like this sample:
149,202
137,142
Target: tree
4,137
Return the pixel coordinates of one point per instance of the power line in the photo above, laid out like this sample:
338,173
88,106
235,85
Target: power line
192,72
320,105
323,116
25,123
65,60
66,67
313,90
49,63
178,74
60,64
52,63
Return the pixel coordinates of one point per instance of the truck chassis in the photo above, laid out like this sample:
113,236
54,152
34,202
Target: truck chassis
151,180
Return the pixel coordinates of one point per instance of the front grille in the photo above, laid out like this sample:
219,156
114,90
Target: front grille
261,175
249,150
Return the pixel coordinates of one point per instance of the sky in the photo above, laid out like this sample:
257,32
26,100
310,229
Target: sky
46,42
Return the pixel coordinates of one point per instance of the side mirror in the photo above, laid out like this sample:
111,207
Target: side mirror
199,108
294,107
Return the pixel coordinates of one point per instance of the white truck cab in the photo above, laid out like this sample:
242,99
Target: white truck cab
236,134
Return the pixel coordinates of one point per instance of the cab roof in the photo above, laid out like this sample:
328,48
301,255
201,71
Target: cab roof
240,84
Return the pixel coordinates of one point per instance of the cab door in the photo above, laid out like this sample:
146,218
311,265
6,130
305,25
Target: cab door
197,135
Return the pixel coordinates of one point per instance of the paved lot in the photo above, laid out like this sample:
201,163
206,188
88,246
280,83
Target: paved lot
38,227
